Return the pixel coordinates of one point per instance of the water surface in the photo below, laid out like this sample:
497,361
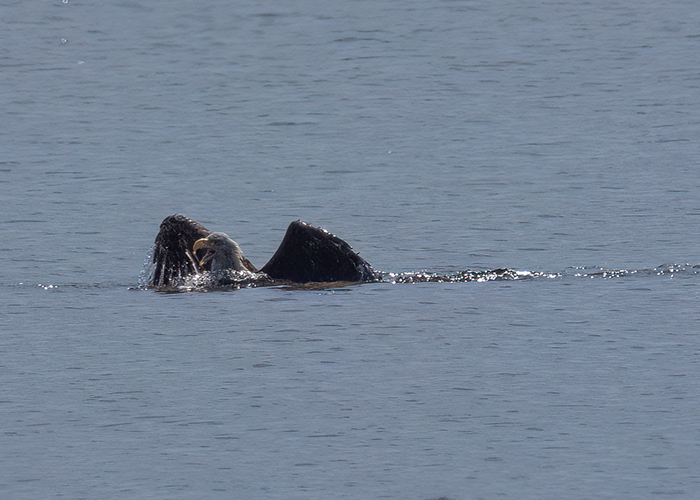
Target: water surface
549,137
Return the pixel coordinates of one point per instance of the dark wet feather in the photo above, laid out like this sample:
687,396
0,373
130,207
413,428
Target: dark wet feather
308,253
174,240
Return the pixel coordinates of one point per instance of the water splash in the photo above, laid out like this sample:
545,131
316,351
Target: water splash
669,270
235,280
463,276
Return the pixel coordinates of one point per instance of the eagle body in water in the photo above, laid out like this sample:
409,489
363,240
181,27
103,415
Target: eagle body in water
185,249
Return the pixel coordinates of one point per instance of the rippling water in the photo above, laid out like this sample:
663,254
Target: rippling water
557,140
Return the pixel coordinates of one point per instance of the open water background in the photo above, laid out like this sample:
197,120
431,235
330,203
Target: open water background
560,137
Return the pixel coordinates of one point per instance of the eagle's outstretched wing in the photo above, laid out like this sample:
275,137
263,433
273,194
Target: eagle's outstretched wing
172,253
308,253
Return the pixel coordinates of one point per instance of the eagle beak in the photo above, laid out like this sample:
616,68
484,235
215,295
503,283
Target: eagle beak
200,244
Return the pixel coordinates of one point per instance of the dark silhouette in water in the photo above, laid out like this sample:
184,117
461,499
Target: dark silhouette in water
187,256
184,248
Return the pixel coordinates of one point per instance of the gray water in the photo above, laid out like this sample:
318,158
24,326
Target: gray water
555,137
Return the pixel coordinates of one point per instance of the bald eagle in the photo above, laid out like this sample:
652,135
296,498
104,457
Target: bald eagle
184,248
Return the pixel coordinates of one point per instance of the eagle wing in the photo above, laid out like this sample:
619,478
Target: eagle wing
309,253
172,253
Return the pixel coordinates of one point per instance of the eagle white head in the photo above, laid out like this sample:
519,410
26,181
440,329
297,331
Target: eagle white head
222,251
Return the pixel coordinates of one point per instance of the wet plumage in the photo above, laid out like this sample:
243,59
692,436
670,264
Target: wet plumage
184,248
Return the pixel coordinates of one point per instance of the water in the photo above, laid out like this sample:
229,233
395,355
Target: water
556,138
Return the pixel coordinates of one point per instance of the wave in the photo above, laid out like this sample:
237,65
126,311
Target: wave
667,270
206,282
